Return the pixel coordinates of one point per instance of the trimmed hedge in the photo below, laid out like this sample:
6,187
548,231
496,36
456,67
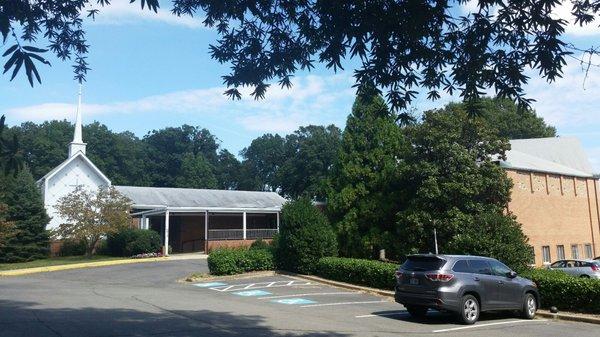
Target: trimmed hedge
566,292
370,273
130,241
227,261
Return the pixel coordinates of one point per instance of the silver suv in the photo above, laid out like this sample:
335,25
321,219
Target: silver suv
466,285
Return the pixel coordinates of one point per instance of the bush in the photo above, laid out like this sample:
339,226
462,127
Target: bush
129,241
566,292
71,247
227,261
305,236
260,244
145,241
370,273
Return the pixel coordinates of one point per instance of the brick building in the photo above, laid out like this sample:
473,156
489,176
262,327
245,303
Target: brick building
555,197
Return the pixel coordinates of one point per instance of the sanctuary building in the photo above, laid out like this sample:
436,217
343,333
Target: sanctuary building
189,220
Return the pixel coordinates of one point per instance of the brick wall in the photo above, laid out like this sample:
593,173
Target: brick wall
231,244
556,210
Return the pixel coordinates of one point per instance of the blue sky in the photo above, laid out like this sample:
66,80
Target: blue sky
151,70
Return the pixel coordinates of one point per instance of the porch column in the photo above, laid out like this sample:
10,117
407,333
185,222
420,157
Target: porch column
166,247
277,222
205,232
244,225
143,223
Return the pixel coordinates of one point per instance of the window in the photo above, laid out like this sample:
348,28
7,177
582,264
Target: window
480,267
461,267
423,263
499,269
546,254
588,251
558,264
560,252
575,251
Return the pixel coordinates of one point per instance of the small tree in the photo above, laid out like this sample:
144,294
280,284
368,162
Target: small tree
92,215
305,236
7,228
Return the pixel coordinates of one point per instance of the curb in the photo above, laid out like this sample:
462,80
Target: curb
26,271
189,279
568,317
388,293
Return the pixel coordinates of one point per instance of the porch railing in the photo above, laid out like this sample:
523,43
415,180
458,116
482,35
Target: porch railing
238,234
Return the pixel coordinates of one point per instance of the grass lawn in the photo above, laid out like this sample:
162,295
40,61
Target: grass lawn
55,261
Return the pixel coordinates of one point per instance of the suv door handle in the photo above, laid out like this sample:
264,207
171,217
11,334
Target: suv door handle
500,282
476,278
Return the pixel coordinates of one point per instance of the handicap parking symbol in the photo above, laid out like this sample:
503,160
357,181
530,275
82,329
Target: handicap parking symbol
294,301
249,293
210,284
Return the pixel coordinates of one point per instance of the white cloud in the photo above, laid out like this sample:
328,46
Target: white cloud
564,12
121,12
312,99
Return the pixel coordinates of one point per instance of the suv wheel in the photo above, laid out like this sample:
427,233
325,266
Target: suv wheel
470,310
416,310
529,306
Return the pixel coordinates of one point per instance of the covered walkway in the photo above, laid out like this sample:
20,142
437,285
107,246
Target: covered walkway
193,220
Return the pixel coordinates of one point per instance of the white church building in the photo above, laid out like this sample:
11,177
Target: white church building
188,220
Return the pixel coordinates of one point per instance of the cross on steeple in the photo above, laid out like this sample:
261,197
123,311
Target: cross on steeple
77,145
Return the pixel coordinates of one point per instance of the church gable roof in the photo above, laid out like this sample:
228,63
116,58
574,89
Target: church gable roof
85,159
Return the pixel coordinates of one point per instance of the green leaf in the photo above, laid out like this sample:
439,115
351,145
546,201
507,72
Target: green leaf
28,69
39,58
34,49
11,49
16,55
17,67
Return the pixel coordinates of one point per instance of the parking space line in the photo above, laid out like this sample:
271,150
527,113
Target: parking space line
260,285
342,303
383,314
307,294
489,324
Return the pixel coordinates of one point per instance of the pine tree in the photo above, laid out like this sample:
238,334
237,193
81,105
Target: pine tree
364,195
26,211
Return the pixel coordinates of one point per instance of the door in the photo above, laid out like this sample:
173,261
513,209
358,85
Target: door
509,289
488,287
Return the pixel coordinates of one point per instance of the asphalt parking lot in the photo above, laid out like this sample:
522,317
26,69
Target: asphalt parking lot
147,300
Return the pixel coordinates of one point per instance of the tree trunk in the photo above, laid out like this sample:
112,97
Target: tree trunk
91,248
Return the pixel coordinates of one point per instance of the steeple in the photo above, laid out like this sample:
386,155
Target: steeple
77,145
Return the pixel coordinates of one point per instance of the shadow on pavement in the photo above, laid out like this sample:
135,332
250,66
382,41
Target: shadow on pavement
436,317
29,319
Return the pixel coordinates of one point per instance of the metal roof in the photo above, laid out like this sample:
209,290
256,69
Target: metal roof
557,155
156,197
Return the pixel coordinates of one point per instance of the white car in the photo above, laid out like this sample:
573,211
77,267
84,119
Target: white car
578,268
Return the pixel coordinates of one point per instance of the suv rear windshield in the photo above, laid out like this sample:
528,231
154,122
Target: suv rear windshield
423,263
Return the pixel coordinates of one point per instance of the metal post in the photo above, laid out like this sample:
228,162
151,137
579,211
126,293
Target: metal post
435,239
166,248
205,232
244,225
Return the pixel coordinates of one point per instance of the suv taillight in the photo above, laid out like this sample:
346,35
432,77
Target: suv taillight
595,267
398,274
440,277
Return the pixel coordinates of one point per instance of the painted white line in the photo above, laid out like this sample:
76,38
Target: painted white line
260,285
489,324
383,314
307,294
341,303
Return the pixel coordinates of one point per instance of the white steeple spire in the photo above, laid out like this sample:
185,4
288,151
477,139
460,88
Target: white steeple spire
77,145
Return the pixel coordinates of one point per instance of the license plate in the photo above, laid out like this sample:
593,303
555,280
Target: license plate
414,281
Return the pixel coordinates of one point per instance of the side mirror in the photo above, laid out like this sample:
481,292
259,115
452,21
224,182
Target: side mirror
511,274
